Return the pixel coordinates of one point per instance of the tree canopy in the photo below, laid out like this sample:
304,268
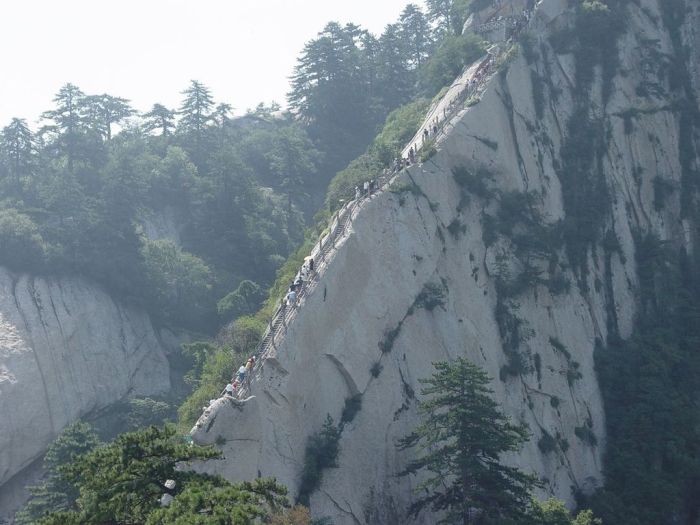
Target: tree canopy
86,194
461,438
125,482
56,492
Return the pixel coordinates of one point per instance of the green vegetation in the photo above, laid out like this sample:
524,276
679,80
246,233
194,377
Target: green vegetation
460,439
586,434
454,53
399,128
180,281
517,218
428,150
572,372
546,443
449,15
217,502
430,297
321,453
560,347
244,300
211,366
463,470
593,42
122,482
79,198
650,389
387,342
514,331
20,241
662,190
400,187
352,406
554,512
135,413
584,190
57,492
504,60
473,182
457,228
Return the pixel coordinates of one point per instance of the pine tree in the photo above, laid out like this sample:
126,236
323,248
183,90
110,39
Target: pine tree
222,114
124,481
330,93
415,31
397,81
440,13
67,119
195,116
216,502
196,109
102,111
292,161
121,482
17,150
461,438
159,118
56,493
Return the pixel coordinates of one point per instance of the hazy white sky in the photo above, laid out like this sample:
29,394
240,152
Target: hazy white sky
148,50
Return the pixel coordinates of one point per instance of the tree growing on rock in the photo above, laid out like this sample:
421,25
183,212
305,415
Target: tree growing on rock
460,440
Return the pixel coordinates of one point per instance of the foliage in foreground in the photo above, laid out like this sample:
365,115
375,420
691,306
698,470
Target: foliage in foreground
122,483
554,512
56,492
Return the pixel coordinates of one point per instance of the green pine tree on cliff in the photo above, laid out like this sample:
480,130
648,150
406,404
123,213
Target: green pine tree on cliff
461,439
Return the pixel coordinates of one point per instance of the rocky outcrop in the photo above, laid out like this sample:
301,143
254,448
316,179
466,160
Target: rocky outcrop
67,349
477,229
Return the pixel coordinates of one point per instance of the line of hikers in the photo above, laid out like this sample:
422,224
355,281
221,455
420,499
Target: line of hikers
242,378
304,275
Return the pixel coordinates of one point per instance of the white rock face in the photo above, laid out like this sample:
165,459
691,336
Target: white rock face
399,242
66,350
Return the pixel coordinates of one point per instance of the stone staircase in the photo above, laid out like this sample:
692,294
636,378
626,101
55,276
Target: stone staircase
284,315
443,112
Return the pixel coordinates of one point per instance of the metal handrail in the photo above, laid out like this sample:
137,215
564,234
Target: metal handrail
283,315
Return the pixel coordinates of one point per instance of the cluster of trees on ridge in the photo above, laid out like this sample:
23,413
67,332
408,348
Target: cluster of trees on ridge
77,196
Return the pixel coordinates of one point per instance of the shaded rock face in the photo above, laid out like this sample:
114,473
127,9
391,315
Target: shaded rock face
66,350
527,308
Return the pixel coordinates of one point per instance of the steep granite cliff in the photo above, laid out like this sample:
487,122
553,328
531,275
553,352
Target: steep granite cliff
514,245
67,349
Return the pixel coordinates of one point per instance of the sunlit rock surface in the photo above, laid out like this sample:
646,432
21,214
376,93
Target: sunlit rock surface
67,349
400,242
